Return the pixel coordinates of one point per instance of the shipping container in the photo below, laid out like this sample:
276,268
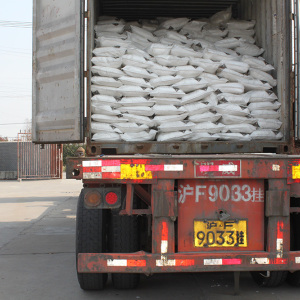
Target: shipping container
155,207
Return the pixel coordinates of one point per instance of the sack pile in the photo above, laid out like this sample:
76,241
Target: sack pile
181,79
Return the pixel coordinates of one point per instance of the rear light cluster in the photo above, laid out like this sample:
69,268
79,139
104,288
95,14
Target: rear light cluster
102,198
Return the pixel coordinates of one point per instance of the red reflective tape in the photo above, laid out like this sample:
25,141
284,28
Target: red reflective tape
231,261
92,169
135,161
280,229
184,262
208,168
154,167
279,261
106,163
165,231
116,175
136,263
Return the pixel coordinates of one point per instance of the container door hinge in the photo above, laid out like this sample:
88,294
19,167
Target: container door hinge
85,126
87,14
85,73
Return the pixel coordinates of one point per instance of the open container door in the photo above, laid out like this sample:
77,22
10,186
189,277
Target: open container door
58,62
296,67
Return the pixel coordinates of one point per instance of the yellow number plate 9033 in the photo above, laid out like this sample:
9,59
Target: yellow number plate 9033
220,233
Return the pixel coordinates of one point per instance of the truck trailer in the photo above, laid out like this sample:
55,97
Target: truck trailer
172,206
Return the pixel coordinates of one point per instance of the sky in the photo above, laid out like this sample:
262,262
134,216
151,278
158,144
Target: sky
15,66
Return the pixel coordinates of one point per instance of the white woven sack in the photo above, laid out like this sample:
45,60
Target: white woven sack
232,109
174,136
135,61
265,114
101,127
260,96
212,79
138,52
234,99
166,92
232,88
159,120
144,33
136,101
234,137
134,91
249,49
105,81
206,64
107,119
161,70
216,55
189,71
229,43
241,24
128,80
159,49
171,61
107,72
142,136
175,24
104,61
175,126
205,117
231,120
263,76
109,28
105,100
166,101
190,84
165,80
197,108
263,134
269,124
182,51
254,84
203,137
104,110
110,41
230,75
196,96
138,110
130,127
164,110
138,72
237,66
140,119
266,105
257,63
109,51
208,127
106,137
239,128
106,90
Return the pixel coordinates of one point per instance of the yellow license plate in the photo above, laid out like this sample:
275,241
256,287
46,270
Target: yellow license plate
220,233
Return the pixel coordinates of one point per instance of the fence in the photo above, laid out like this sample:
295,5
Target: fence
38,161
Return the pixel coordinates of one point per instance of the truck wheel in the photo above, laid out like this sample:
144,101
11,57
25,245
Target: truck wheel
124,238
275,279
90,238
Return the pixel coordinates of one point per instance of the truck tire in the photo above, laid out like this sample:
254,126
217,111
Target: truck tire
275,279
90,239
124,238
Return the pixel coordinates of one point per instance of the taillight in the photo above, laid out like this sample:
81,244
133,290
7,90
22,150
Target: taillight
111,198
92,198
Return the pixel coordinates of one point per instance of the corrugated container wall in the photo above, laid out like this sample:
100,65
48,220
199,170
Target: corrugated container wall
273,33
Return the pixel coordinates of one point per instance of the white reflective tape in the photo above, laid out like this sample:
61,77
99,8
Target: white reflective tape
260,261
297,260
165,263
276,168
92,175
92,163
111,169
213,262
117,262
279,248
228,168
164,247
173,167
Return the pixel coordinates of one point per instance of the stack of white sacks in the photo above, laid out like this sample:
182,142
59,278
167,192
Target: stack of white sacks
181,79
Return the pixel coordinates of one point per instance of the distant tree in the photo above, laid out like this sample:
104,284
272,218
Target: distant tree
69,150
3,139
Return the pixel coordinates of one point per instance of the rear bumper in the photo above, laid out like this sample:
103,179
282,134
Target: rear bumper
142,262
